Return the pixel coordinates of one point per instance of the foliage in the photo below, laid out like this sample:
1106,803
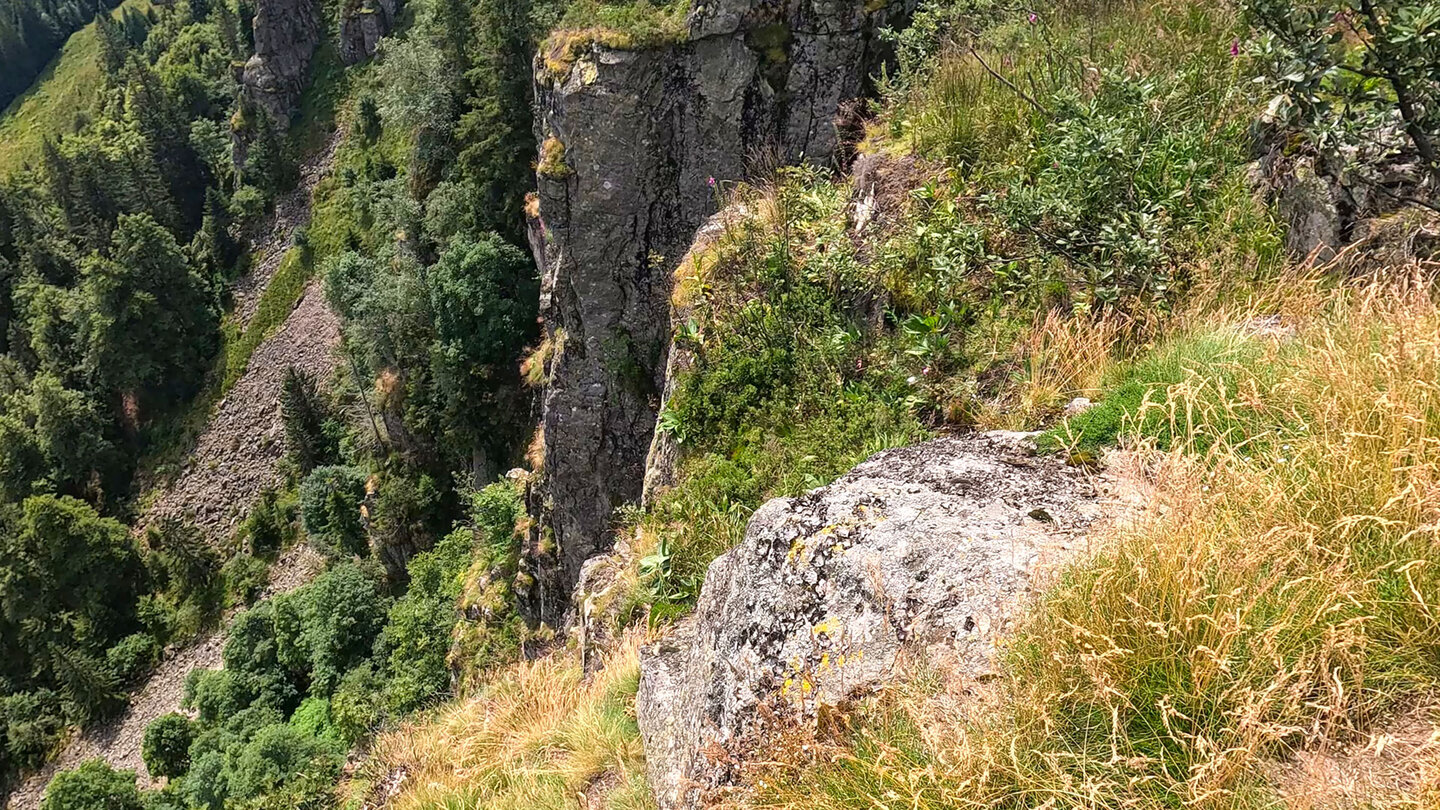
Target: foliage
330,499
308,437
72,578
1345,70
166,747
276,756
270,525
92,786
133,657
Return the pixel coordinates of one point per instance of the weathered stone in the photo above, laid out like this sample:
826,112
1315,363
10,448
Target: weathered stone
363,23
632,144
922,553
287,32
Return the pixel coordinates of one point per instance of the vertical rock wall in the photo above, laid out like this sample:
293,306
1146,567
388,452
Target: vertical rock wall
362,24
629,143
287,33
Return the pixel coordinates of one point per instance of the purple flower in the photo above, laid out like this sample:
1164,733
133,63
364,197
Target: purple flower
1235,48
711,182
925,372
1034,18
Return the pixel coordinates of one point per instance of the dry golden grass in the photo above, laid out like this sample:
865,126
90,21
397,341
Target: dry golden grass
540,734
1281,596
1061,357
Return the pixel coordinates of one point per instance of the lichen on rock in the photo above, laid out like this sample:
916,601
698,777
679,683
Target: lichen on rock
926,553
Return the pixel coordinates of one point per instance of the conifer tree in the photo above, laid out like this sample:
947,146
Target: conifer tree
304,415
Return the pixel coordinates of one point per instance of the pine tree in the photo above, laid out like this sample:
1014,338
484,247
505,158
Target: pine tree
213,246
304,416
114,45
499,145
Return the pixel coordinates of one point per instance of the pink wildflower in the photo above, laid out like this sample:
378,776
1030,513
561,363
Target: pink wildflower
711,182
1034,18
1235,48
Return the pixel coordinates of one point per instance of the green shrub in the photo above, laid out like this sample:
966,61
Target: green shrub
313,718
358,704
93,786
276,755
247,203
30,725
245,578
330,499
166,746
204,786
268,527
133,657
344,612
216,694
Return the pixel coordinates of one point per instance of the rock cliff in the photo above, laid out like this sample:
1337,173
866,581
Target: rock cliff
362,24
919,555
633,145
287,33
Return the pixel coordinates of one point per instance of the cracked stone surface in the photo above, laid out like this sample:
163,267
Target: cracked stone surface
926,553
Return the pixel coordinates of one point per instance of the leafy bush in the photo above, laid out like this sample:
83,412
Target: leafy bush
133,656
1344,70
93,786
269,526
205,785
330,499
30,725
277,755
166,746
344,611
245,578
358,704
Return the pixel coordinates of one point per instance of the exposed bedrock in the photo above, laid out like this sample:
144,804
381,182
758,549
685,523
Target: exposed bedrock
922,555
363,23
287,32
633,145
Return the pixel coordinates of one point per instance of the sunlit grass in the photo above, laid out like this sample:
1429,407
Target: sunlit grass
64,92
539,735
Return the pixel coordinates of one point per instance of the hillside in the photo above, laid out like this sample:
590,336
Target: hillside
66,90
910,404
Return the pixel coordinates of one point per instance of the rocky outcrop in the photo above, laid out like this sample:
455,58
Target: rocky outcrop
633,144
287,32
923,554
362,25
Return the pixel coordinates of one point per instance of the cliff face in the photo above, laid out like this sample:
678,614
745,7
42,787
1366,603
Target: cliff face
362,25
286,35
632,144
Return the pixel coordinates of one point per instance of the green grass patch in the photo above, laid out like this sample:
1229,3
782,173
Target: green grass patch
323,100
59,99
1196,389
276,304
625,25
